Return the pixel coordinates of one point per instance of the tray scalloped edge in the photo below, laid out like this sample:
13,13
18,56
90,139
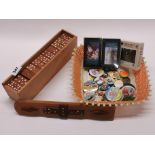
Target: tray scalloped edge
141,78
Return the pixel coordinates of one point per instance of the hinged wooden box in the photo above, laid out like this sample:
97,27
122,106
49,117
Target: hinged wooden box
41,67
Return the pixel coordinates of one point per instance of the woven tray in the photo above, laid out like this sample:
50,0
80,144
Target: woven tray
141,79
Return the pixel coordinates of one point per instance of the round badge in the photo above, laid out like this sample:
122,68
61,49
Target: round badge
96,72
118,83
113,94
90,86
114,74
111,73
103,87
124,73
126,80
99,80
129,92
110,81
89,95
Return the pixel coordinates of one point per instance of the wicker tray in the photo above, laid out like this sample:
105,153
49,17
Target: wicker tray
141,79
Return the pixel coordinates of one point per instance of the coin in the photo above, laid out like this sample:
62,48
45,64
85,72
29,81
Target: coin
113,94
96,72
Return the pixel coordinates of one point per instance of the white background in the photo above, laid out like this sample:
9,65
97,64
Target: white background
19,39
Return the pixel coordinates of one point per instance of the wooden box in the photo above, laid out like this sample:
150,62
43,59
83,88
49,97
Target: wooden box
41,67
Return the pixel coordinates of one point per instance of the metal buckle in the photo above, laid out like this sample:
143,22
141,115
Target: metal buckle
63,111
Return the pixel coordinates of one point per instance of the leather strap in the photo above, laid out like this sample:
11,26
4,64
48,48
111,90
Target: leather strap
64,110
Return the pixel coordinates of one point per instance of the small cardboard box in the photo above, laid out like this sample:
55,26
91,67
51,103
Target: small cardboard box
41,67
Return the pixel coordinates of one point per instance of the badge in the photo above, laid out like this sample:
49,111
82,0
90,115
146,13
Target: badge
124,74
104,87
96,72
89,95
90,86
113,94
87,76
129,92
110,81
114,74
118,83
99,80
126,80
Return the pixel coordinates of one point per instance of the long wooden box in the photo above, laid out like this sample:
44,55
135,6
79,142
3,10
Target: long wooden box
41,67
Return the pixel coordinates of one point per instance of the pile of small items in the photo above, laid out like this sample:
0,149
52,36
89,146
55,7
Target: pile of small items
111,86
108,69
